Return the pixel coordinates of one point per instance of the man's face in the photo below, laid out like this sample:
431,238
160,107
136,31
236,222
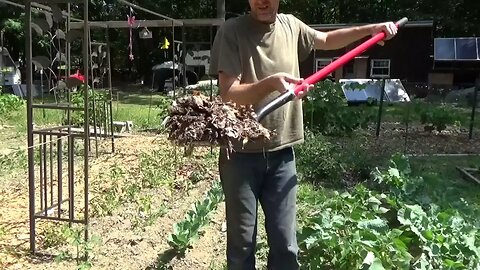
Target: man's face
264,10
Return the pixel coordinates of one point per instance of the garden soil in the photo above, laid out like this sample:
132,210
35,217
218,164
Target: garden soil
122,246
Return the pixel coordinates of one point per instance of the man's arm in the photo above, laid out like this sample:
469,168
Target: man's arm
242,94
342,37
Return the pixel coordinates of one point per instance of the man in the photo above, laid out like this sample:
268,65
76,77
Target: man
256,57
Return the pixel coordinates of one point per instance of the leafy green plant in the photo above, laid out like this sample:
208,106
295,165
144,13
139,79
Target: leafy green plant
155,175
199,174
9,103
83,248
131,191
326,110
438,118
317,159
148,212
206,90
215,266
320,159
54,235
96,114
368,229
108,198
187,231
163,103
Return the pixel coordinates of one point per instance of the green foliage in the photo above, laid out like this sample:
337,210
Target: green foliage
199,174
157,169
9,103
326,111
439,117
113,192
83,248
163,103
98,114
322,160
54,235
107,198
187,231
147,211
317,159
368,229
13,25
206,90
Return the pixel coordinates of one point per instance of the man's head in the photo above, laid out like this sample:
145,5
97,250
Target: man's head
264,11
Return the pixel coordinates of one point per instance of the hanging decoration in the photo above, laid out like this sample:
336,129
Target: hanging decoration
131,22
165,44
145,33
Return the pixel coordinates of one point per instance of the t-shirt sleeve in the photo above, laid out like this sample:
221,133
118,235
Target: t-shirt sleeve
225,55
306,38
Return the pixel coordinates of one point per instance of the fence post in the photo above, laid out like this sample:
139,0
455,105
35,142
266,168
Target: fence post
474,106
380,108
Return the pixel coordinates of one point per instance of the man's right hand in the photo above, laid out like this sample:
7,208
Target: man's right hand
283,82
232,90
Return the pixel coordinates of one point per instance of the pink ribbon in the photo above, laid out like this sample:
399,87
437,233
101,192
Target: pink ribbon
131,22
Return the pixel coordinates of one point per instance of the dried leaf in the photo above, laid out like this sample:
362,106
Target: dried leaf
197,119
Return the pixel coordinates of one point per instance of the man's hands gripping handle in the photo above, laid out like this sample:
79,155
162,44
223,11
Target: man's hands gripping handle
323,73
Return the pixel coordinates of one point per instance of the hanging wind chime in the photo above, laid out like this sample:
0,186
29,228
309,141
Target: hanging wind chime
131,22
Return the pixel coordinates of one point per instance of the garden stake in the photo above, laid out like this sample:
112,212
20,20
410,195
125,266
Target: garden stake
474,107
407,120
380,108
321,74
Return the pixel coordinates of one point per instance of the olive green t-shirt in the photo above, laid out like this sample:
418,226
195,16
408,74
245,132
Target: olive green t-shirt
251,51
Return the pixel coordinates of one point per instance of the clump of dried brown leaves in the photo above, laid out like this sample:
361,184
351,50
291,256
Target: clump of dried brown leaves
194,119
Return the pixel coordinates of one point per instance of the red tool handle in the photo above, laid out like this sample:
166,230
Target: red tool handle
323,73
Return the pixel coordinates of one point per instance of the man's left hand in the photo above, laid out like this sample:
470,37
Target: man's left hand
389,28
306,87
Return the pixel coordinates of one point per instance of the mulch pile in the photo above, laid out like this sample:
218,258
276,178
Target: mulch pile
197,120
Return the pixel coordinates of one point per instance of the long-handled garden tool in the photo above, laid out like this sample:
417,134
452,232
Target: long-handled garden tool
197,120
323,73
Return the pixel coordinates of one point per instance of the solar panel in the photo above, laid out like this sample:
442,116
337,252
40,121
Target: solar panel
360,90
461,49
444,49
466,49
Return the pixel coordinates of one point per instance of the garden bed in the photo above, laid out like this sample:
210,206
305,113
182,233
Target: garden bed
132,231
421,142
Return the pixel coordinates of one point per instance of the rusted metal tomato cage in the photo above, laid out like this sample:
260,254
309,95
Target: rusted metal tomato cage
47,199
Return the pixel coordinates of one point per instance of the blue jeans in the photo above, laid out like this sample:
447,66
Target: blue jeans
269,178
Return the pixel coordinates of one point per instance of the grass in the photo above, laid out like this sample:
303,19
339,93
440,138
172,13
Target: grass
446,185
144,109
